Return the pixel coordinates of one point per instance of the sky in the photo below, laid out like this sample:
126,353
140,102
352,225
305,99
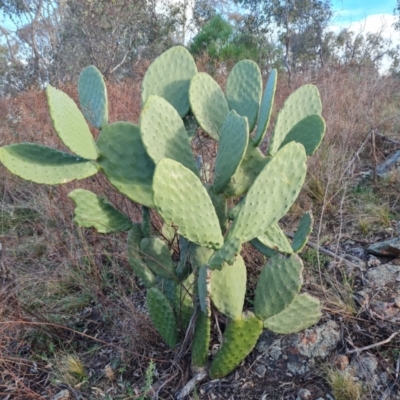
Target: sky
363,16
366,16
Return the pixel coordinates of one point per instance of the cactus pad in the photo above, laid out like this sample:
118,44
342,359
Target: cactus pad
155,253
208,104
164,134
93,99
252,164
227,253
266,108
275,238
240,337
300,104
162,316
228,288
303,231
70,124
266,251
93,211
272,193
169,77
232,147
125,162
244,90
203,287
303,312
183,301
221,208
309,132
279,283
182,201
42,164
201,340
141,270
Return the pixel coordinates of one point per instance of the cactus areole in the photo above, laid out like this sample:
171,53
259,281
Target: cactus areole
152,164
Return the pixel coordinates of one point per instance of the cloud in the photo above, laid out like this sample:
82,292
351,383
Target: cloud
375,23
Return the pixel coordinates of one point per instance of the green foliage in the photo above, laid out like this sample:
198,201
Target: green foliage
152,164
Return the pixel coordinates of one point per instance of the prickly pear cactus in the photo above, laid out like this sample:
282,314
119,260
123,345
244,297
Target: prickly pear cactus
192,268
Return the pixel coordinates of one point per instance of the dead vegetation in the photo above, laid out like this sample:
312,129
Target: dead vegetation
71,311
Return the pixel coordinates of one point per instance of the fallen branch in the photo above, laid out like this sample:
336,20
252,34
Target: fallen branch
329,253
188,388
371,346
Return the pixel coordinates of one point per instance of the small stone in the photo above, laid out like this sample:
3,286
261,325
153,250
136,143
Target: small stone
260,370
397,301
63,395
373,261
304,394
341,362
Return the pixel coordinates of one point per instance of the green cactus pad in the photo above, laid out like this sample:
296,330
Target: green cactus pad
70,124
221,208
169,77
303,232
250,167
240,337
199,255
125,162
203,288
227,253
183,301
300,104
93,99
279,283
156,254
92,211
303,312
41,164
164,134
168,232
275,238
228,288
141,270
266,251
244,90
309,132
208,104
231,149
272,193
162,316
201,340
182,201
266,108
167,287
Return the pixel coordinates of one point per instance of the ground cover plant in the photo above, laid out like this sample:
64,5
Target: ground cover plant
152,164
70,281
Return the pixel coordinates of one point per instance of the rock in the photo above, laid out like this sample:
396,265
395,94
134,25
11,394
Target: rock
260,370
341,362
318,341
365,367
304,394
388,165
63,395
384,275
389,247
373,261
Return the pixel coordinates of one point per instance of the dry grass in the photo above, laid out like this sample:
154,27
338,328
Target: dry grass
69,291
344,385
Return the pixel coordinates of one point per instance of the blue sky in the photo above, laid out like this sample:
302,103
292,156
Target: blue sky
350,11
